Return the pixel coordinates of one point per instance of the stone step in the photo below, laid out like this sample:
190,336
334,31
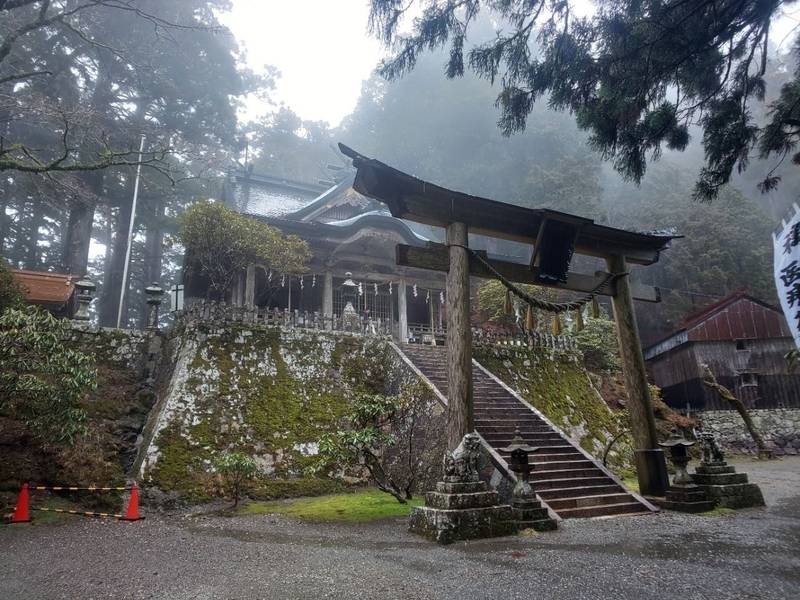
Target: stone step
559,463
603,510
561,472
570,481
509,429
542,441
500,413
564,474
576,492
559,504
535,438
549,459
481,402
507,432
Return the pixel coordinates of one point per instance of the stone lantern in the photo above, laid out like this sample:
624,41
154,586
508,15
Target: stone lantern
85,289
527,509
678,446
153,293
683,495
519,464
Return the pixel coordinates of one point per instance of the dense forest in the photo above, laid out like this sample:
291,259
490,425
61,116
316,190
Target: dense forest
123,77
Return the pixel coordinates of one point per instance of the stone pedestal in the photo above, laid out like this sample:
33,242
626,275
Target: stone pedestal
528,513
688,498
462,511
727,488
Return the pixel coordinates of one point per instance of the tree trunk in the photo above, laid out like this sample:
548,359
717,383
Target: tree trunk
711,381
75,253
32,256
112,278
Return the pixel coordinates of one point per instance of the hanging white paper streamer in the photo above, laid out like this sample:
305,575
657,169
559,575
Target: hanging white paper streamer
269,275
283,280
428,297
314,280
301,282
360,289
376,288
415,290
390,288
441,297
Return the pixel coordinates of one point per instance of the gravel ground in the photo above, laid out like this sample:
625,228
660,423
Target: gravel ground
754,553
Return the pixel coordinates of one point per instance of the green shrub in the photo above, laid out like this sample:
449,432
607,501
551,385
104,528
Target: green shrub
236,470
392,438
42,380
598,342
11,295
220,243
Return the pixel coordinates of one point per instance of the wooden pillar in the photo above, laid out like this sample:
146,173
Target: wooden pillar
650,466
460,419
402,309
327,297
250,287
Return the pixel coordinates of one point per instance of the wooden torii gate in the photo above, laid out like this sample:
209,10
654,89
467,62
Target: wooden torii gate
554,236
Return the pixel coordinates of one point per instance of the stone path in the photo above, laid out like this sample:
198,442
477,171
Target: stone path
754,553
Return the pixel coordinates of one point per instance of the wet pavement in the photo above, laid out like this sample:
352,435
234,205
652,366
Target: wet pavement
754,553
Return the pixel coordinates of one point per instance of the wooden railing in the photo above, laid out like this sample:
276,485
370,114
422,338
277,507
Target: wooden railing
276,317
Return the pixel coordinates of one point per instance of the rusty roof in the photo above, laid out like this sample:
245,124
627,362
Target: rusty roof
49,289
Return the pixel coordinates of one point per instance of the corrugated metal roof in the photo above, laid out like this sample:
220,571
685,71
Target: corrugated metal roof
50,289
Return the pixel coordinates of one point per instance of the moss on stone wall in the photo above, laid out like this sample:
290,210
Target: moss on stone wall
556,383
267,392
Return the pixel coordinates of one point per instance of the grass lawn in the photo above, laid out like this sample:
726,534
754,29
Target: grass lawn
357,507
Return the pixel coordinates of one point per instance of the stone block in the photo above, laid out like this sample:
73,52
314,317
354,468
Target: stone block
688,507
538,525
461,501
712,469
461,488
741,495
447,526
529,514
687,498
720,479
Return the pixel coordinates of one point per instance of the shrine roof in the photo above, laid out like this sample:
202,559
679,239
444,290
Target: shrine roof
268,196
52,290
414,199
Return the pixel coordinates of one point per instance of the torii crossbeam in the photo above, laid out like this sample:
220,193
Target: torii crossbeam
554,237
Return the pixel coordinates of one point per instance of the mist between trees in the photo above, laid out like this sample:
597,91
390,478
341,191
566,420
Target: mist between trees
86,78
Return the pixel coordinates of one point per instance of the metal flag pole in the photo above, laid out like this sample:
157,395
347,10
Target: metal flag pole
124,286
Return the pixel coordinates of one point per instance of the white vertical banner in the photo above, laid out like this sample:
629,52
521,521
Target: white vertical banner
787,272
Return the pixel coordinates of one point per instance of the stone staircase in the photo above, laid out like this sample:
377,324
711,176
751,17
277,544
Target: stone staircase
566,478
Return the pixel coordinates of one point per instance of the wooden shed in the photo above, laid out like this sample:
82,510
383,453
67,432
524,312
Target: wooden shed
743,340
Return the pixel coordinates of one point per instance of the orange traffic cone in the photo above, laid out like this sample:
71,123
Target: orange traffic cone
132,514
22,509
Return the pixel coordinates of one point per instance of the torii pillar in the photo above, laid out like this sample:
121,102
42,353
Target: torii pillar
460,410
651,468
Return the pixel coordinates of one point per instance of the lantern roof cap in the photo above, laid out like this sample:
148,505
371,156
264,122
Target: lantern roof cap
517,443
676,438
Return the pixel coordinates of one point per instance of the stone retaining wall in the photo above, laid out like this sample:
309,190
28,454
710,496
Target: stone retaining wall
780,428
125,347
